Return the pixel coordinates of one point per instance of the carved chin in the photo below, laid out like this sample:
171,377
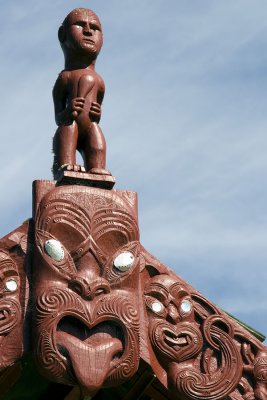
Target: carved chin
92,353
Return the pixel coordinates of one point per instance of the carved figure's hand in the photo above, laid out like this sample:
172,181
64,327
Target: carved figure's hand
76,106
95,112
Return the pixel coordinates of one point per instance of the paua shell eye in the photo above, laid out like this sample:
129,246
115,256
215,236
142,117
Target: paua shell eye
11,285
124,261
185,307
157,307
54,249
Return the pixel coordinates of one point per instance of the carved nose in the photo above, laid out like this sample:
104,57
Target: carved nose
87,30
173,315
89,290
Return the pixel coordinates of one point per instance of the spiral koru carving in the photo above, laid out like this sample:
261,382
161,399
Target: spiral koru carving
128,317
10,313
218,384
54,303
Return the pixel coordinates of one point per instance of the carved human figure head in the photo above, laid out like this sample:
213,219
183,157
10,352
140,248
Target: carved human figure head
11,338
80,34
86,287
173,332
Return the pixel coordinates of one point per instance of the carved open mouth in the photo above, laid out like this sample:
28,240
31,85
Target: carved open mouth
90,353
105,331
174,339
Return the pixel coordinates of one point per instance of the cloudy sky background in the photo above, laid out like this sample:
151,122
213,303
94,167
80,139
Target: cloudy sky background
185,121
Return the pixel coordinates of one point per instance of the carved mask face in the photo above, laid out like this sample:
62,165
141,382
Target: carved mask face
11,340
173,333
86,283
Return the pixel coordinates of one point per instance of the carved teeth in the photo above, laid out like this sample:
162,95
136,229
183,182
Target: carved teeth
180,341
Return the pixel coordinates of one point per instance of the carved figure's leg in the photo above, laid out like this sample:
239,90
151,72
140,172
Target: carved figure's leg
94,150
64,146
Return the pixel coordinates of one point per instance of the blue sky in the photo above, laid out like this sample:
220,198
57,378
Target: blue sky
185,120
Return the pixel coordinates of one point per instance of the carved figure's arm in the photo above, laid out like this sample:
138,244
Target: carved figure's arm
95,110
60,98
65,113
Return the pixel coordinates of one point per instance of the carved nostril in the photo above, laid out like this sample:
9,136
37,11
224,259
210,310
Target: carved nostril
78,287
89,291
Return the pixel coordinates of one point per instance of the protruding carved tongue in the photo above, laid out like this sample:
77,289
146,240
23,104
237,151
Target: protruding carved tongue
90,360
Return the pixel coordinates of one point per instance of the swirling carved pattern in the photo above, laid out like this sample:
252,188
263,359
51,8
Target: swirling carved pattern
52,304
122,307
222,382
66,213
260,366
128,316
50,359
10,315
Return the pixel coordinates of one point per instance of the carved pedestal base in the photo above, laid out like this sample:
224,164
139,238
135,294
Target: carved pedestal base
85,179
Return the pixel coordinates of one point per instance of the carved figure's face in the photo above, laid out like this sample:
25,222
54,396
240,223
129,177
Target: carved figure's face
83,32
86,282
11,340
173,333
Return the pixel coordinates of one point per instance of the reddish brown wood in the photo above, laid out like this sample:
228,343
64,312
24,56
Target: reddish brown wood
105,312
87,310
86,316
13,294
78,94
8,378
140,386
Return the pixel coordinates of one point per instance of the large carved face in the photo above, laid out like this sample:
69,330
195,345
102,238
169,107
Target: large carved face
11,339
173,333
86,287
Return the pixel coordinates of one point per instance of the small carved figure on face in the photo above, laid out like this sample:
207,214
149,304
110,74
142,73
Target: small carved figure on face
202,362
11,338
78,94
172,330
86,282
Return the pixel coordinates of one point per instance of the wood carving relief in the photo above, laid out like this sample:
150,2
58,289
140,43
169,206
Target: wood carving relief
98,302
13,295
86,287
205,353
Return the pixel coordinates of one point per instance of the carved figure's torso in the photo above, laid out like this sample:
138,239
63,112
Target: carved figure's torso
83,83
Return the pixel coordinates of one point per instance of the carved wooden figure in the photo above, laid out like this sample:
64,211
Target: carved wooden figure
78,94
100,307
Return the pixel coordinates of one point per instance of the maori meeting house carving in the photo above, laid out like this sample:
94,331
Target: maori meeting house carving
85,311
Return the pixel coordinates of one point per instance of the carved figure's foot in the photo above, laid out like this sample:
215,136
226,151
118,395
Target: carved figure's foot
72,167
99,171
